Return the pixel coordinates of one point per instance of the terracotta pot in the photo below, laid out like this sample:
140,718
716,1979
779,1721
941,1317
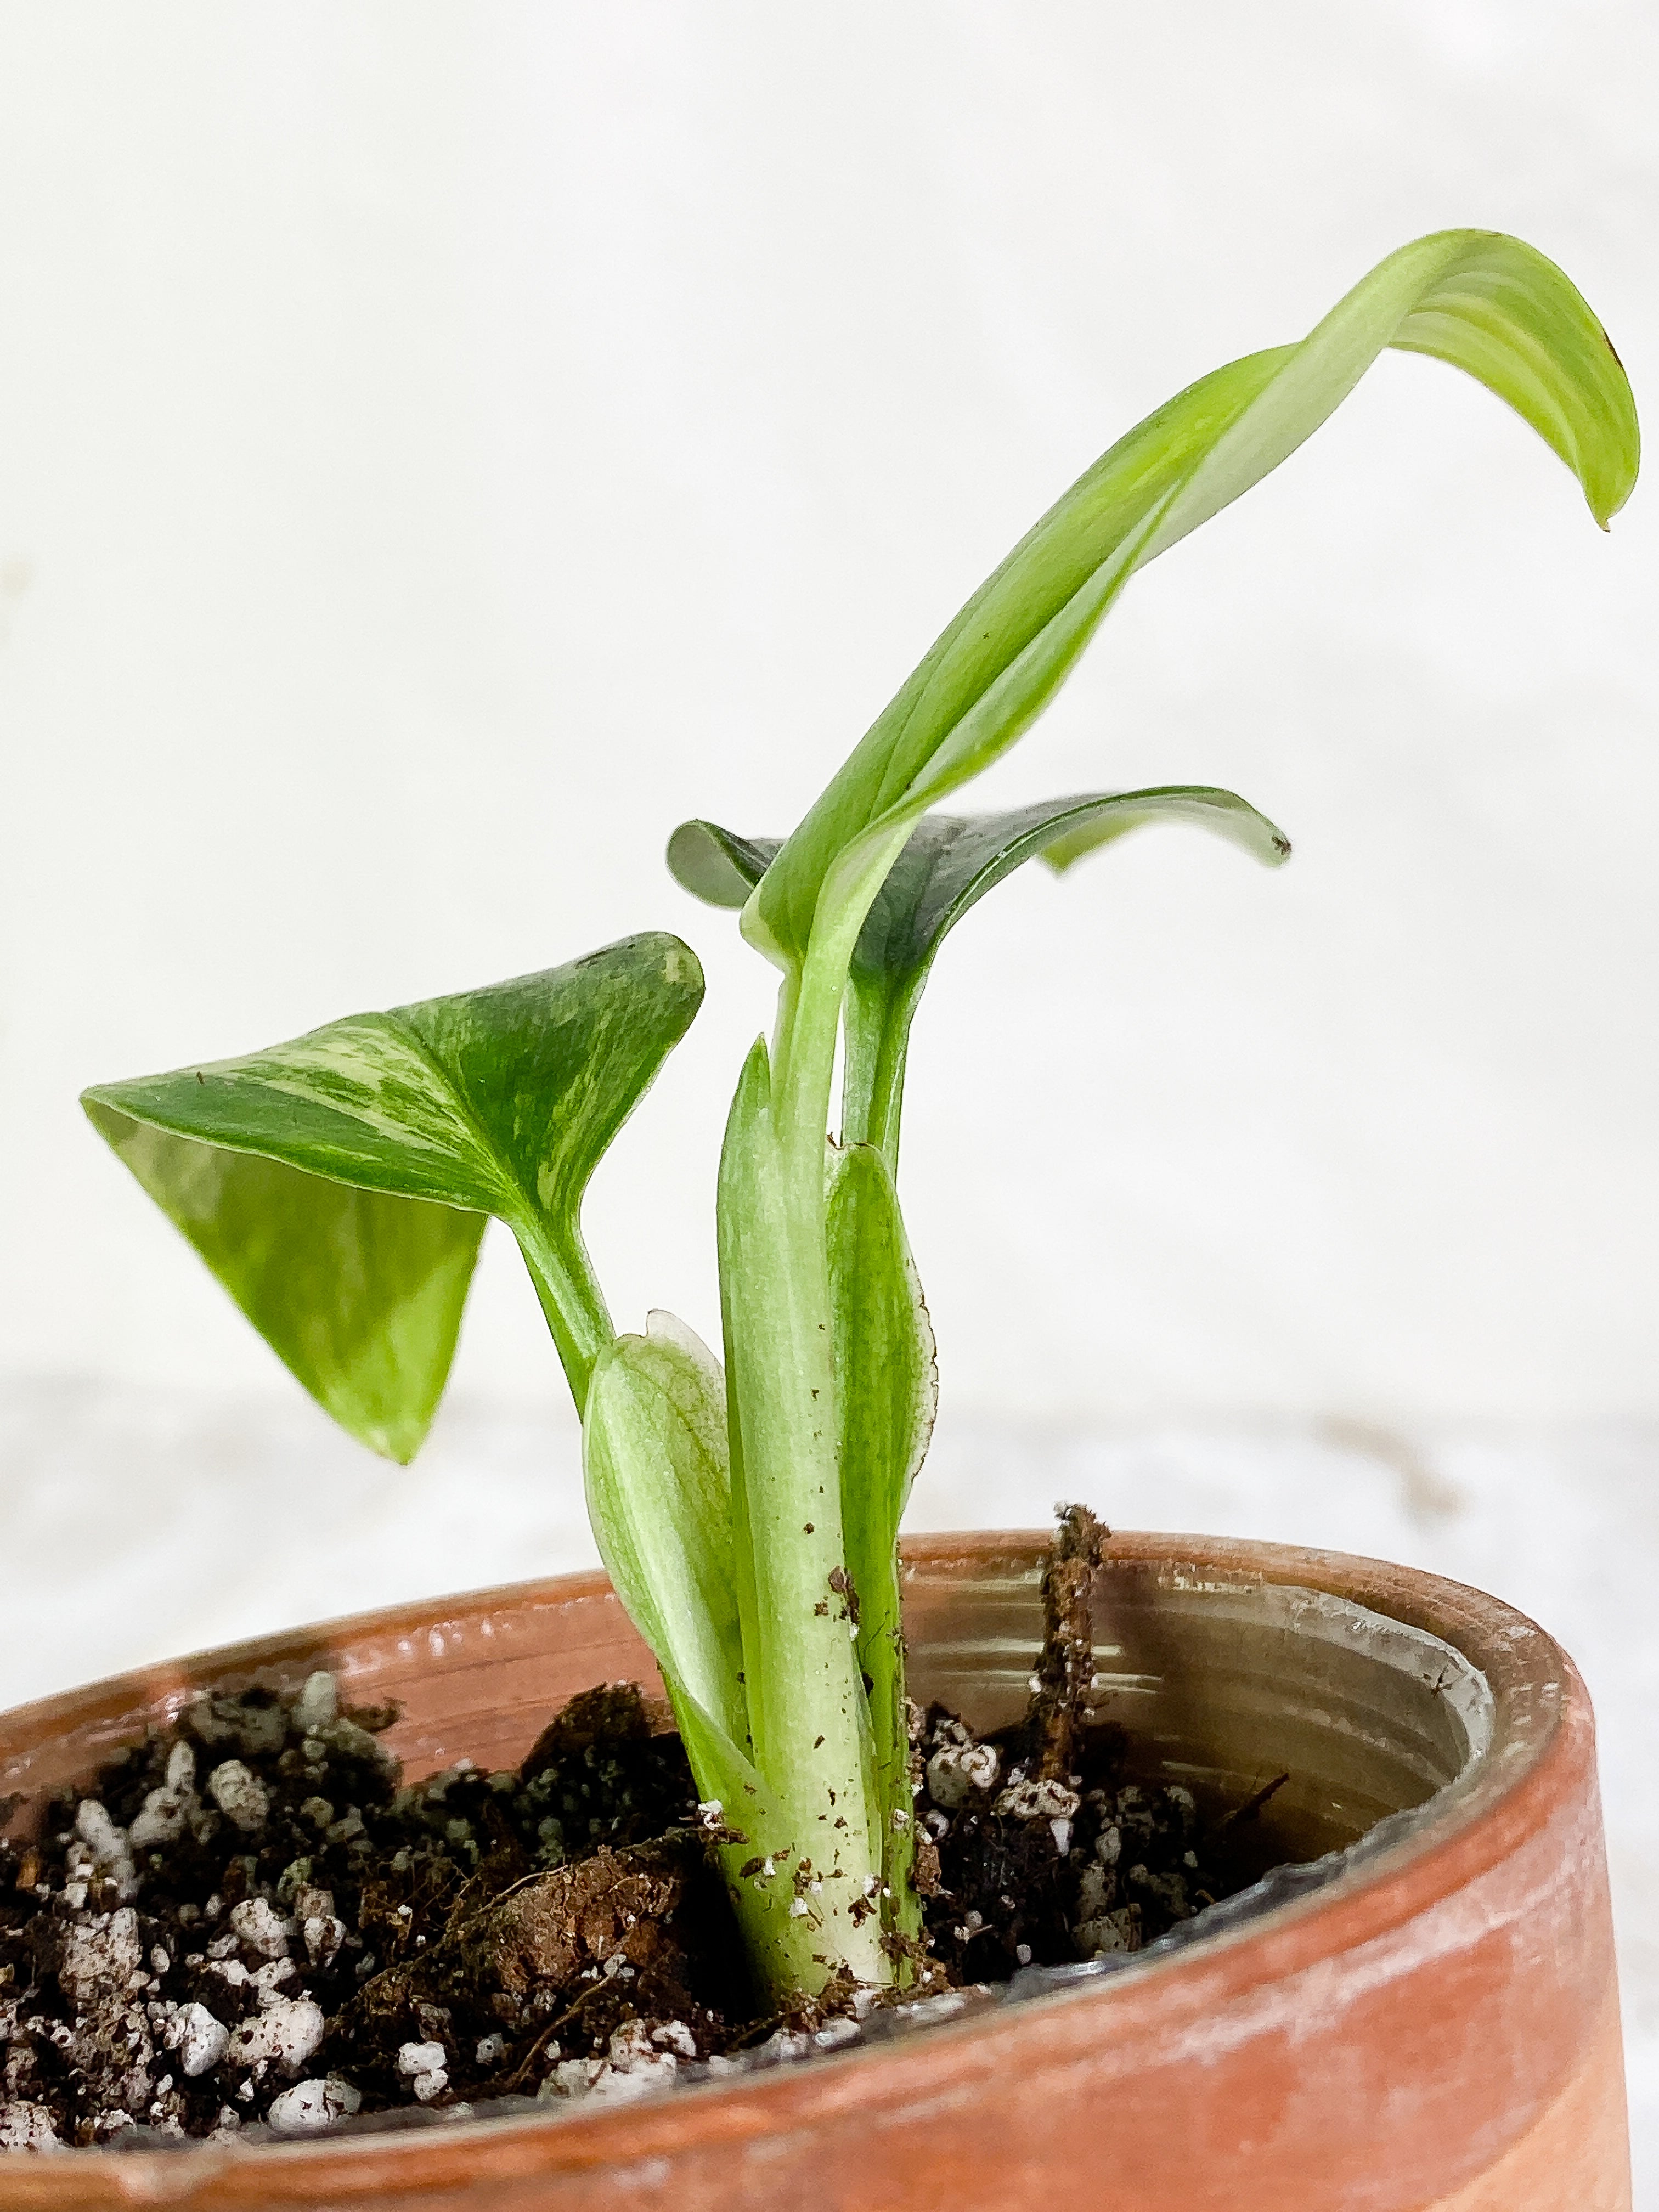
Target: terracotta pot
1434,2031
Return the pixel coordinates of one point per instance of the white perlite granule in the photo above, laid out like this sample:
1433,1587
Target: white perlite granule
424,2066
27,2126
314,2104
957,1769
285,2032
239,1794
318,1704
102,1849
1038,1801
260,1928
100,1959
198,2038
166,1810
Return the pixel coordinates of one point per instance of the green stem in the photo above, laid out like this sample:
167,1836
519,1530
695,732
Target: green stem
809,1717
860,1046
571,1301
809,1724
878,1034
810,1004
881,1654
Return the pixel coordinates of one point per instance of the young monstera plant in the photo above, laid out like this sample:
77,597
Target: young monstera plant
749,1513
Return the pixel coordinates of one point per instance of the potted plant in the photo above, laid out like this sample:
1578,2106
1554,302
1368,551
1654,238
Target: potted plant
1429,2024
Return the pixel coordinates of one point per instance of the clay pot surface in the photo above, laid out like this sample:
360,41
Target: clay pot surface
1435,2031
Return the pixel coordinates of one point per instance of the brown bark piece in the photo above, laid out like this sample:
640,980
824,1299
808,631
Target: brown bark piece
542,1936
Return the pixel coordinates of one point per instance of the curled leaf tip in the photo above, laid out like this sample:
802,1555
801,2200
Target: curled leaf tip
1485,304
715,865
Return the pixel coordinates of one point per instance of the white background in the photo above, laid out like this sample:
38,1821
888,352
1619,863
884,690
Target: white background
441,446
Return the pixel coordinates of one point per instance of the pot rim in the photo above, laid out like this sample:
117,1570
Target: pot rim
1542,1736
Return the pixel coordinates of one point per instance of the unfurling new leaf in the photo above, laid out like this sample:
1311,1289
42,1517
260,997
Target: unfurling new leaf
1484,302
660,1496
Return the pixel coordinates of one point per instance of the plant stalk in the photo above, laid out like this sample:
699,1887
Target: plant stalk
876,1036
809,1717
572,1302
809,1724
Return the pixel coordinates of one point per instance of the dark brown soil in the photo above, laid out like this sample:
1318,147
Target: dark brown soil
248,1921
1047,1851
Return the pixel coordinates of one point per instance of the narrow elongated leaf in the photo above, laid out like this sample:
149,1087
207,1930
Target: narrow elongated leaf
780,1394
887,1390
659,1497
952,860
887,1384
1485,303
499,1101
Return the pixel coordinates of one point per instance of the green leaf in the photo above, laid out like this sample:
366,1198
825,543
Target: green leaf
952,860
948,864
1485,303
358,1294
887,1391
780,1394
1077,827
659,1497
500,1100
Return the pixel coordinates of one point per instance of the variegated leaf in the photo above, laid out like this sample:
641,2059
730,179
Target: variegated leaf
499,1101
1485,303
948,864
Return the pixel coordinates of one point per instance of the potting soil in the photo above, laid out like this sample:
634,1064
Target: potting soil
249,1925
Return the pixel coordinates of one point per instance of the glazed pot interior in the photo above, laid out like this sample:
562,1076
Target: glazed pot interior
1224,1679
1228,1684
